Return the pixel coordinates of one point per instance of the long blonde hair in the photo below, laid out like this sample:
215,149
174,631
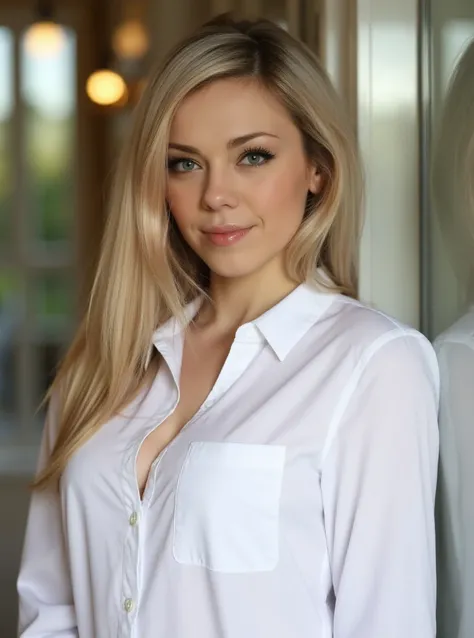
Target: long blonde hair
146,273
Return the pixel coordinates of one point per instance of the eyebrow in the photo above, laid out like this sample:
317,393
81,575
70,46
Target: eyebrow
237,141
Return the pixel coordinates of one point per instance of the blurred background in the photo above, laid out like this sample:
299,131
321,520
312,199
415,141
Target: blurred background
71,73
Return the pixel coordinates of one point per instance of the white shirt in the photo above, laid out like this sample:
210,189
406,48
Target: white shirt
455,349
298,502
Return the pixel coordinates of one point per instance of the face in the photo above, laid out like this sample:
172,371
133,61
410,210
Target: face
238,177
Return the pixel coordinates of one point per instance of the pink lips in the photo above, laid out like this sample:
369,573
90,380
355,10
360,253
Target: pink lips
226,235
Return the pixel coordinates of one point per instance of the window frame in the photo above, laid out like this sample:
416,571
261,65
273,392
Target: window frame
18,453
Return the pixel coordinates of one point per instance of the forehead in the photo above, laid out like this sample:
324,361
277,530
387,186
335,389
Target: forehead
227,109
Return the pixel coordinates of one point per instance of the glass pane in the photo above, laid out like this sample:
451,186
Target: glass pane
452,164
10,318
53,305
48,92
6,164
451,301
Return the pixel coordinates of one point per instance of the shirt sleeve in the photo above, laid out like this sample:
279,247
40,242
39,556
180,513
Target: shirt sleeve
46,607
455,506
378,482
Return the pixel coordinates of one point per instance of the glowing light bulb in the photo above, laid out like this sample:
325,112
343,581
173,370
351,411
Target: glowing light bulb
130,40
44,39
106,87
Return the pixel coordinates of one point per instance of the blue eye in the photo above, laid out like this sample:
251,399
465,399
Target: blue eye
253,159
256,157
181,165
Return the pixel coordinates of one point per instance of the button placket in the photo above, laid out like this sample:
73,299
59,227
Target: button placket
130,591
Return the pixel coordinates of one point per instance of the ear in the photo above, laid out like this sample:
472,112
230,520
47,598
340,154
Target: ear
315,183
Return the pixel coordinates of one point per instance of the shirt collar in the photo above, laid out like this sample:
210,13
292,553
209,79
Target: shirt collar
282,327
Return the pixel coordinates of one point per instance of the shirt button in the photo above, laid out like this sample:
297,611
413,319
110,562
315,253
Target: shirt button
133,519
128,605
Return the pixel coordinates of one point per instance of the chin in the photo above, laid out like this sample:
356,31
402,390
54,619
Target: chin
233,269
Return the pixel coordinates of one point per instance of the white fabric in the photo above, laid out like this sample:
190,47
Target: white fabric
455,349
298,502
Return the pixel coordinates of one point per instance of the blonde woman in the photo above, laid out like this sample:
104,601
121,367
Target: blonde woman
235,446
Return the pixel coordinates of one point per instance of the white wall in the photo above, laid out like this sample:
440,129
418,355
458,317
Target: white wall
387,119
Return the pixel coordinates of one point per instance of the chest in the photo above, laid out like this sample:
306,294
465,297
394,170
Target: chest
201,365
218,494
256,400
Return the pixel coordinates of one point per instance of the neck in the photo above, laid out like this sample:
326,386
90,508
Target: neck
238,300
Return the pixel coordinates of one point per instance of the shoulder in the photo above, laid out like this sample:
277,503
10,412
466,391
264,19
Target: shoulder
393,377
369,329
376,341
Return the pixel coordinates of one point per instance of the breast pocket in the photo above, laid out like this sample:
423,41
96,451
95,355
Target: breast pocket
227,507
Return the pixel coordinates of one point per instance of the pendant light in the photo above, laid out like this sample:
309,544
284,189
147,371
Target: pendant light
45,37
105,86
130,40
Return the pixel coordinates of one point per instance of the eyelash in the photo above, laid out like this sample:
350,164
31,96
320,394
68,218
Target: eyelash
258,150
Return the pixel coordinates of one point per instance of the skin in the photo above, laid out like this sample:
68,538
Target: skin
221,182
218,184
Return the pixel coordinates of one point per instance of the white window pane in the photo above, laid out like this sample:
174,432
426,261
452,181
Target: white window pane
6,111
48,89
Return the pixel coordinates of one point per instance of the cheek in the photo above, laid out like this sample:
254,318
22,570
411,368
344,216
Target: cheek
181,199
282,198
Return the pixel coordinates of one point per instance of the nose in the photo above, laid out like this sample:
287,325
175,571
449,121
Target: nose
219,190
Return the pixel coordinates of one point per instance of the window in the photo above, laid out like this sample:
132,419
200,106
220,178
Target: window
37,230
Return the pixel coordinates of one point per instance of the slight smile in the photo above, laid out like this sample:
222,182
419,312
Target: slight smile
226,235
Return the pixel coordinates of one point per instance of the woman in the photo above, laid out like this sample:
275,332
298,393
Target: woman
243,449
